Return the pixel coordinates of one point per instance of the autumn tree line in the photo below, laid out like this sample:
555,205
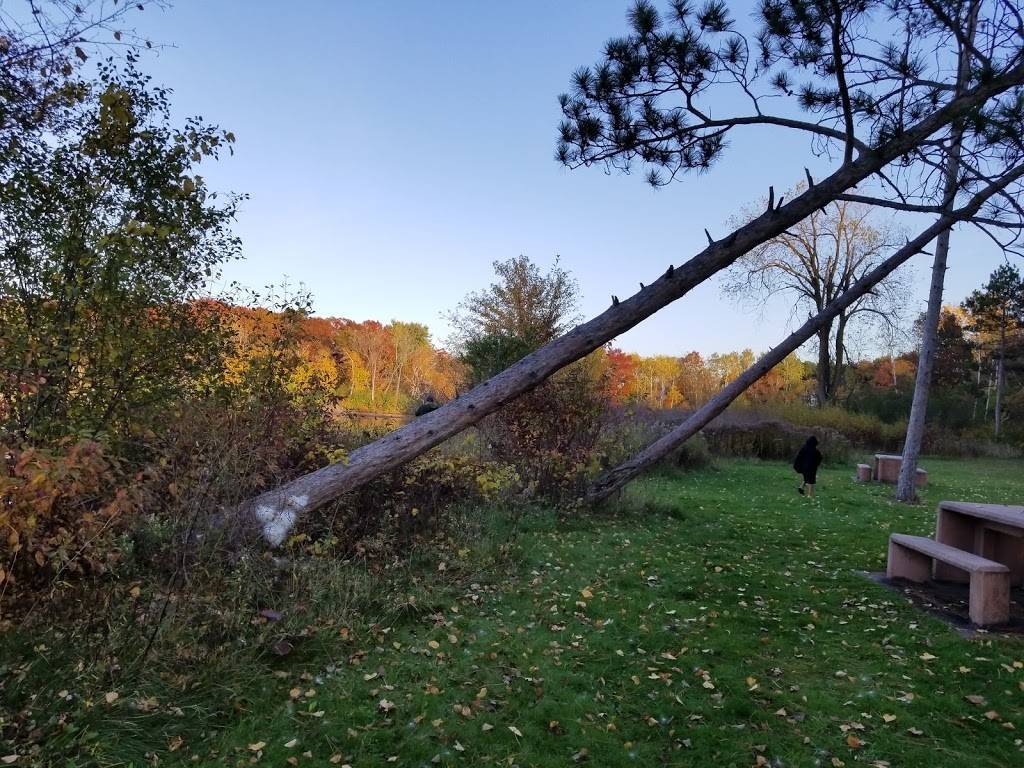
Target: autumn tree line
393,368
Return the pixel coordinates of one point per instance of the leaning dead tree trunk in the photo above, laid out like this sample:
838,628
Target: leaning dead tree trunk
615,479
275,512
906,484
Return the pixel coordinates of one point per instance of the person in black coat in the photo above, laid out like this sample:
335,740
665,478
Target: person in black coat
806,464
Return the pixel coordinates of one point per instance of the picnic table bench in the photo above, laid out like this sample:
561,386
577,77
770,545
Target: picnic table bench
911,558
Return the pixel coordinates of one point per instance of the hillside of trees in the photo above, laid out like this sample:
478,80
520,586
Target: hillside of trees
392,368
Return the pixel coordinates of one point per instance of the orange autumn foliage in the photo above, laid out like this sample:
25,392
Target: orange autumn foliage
59,510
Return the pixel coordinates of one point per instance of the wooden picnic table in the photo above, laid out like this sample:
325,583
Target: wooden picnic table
887,470
993,531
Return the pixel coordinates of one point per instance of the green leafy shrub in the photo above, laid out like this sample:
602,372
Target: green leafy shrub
973,443
945,435
551,434
417,503
693,454
860,429
110,236
774,440
626,432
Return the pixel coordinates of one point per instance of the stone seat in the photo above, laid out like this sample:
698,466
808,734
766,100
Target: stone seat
910,558
864,473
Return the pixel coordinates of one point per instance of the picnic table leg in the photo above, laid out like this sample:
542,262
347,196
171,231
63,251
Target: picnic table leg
989,598
887,469
1008,550
906,563
957,531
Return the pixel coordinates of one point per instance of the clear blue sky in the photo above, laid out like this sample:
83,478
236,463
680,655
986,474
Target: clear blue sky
392,151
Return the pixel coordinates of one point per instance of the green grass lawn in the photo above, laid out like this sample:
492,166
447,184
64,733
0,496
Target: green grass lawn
718,620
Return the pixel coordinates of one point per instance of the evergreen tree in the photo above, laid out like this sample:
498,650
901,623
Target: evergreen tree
997,317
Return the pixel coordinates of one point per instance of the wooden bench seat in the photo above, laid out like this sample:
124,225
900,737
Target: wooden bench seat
910,558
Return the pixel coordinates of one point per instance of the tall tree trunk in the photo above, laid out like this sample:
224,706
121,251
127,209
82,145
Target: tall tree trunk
839,356
824,369
275,512
977,390
906,485
1000,376
352,374
988,394
610,482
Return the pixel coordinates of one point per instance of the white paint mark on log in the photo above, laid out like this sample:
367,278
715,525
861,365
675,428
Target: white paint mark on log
276,523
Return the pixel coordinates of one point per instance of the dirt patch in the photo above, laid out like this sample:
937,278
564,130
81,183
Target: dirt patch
948,602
